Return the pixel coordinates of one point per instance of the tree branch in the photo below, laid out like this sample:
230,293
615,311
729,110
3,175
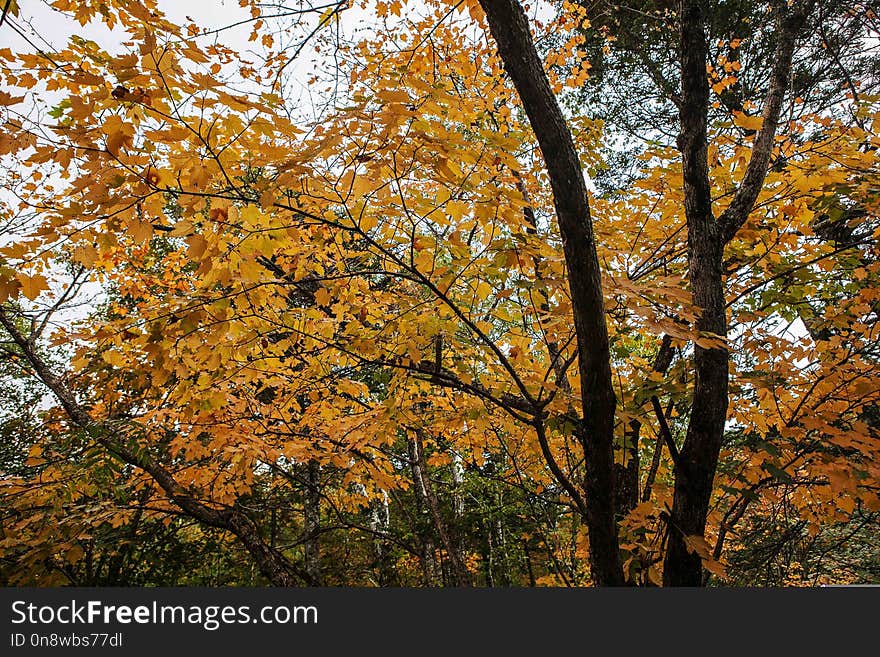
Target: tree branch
277,568
736,214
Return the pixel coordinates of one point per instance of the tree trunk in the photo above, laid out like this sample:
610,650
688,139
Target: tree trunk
698,460
380,519
458,568
510,29
312,522
696,466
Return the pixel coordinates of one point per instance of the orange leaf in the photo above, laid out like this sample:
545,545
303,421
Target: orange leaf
31,286
9,99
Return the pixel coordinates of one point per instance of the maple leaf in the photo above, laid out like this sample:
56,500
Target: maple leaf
8,99
32,285
119,134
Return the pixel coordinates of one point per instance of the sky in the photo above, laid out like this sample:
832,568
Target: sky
49,28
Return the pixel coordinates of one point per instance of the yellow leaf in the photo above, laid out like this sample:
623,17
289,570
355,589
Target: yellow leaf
697,545
267,199
839,480
714,567
113,358
322,296
182,228
327,15
8,289
31,286
86,254
393,96
118,134
708,340
74,554
424,261
483,290
748,122
140,231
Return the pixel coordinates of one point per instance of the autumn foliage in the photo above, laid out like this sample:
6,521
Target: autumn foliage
333,337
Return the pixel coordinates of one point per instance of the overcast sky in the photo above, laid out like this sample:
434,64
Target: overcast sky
53,28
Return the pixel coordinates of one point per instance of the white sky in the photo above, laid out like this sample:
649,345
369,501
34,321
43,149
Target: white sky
52,27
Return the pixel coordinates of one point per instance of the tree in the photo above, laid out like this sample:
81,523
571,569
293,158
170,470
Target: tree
324,314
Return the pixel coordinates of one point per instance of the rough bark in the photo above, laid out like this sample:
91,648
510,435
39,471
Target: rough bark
699,454
698,459
510,29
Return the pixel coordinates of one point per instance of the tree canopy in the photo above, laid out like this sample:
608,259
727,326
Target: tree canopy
443,293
